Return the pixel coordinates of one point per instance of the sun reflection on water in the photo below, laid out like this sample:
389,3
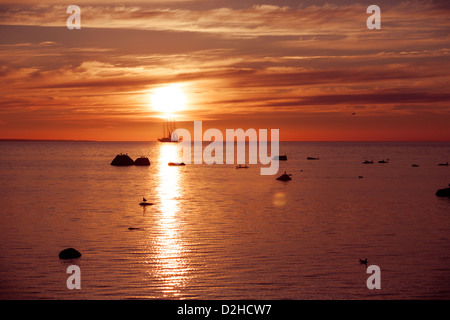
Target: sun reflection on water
171,266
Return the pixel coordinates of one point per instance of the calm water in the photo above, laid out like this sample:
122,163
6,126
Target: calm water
215,232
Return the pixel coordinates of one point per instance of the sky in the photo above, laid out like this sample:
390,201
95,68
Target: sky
311,69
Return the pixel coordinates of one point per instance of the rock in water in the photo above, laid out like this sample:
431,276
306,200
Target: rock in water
122,160
284,177
69,253
142,161
443,192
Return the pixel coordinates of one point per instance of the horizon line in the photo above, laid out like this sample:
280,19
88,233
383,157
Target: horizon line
86,140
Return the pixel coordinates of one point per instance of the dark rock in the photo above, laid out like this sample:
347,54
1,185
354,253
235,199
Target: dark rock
284,177
142,161
443,192
69,253
122,160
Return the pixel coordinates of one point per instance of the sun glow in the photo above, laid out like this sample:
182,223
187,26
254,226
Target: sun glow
169,99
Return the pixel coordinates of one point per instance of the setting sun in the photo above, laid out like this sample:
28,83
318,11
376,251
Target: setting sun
168,99
222,151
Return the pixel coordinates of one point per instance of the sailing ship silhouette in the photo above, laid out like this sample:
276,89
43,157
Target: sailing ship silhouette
168,131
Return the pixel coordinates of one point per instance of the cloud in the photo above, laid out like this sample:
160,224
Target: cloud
241,62
257,20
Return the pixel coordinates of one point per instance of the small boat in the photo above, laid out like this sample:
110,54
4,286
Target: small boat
363,261
367,162
168,132
443,164
280,158
172,164
383,161
415,165
144,203
240,166
312,158
285,177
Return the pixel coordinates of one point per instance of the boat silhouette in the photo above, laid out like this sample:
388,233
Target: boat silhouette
144,202
312,158
172,164
443,164
383,161
168,132
367,162
280,158
240,166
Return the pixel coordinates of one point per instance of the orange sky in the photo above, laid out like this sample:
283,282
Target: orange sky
303,67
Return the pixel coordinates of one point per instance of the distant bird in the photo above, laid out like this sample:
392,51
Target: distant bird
363,261
143,199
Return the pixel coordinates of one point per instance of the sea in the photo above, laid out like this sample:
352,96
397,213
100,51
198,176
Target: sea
216,232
